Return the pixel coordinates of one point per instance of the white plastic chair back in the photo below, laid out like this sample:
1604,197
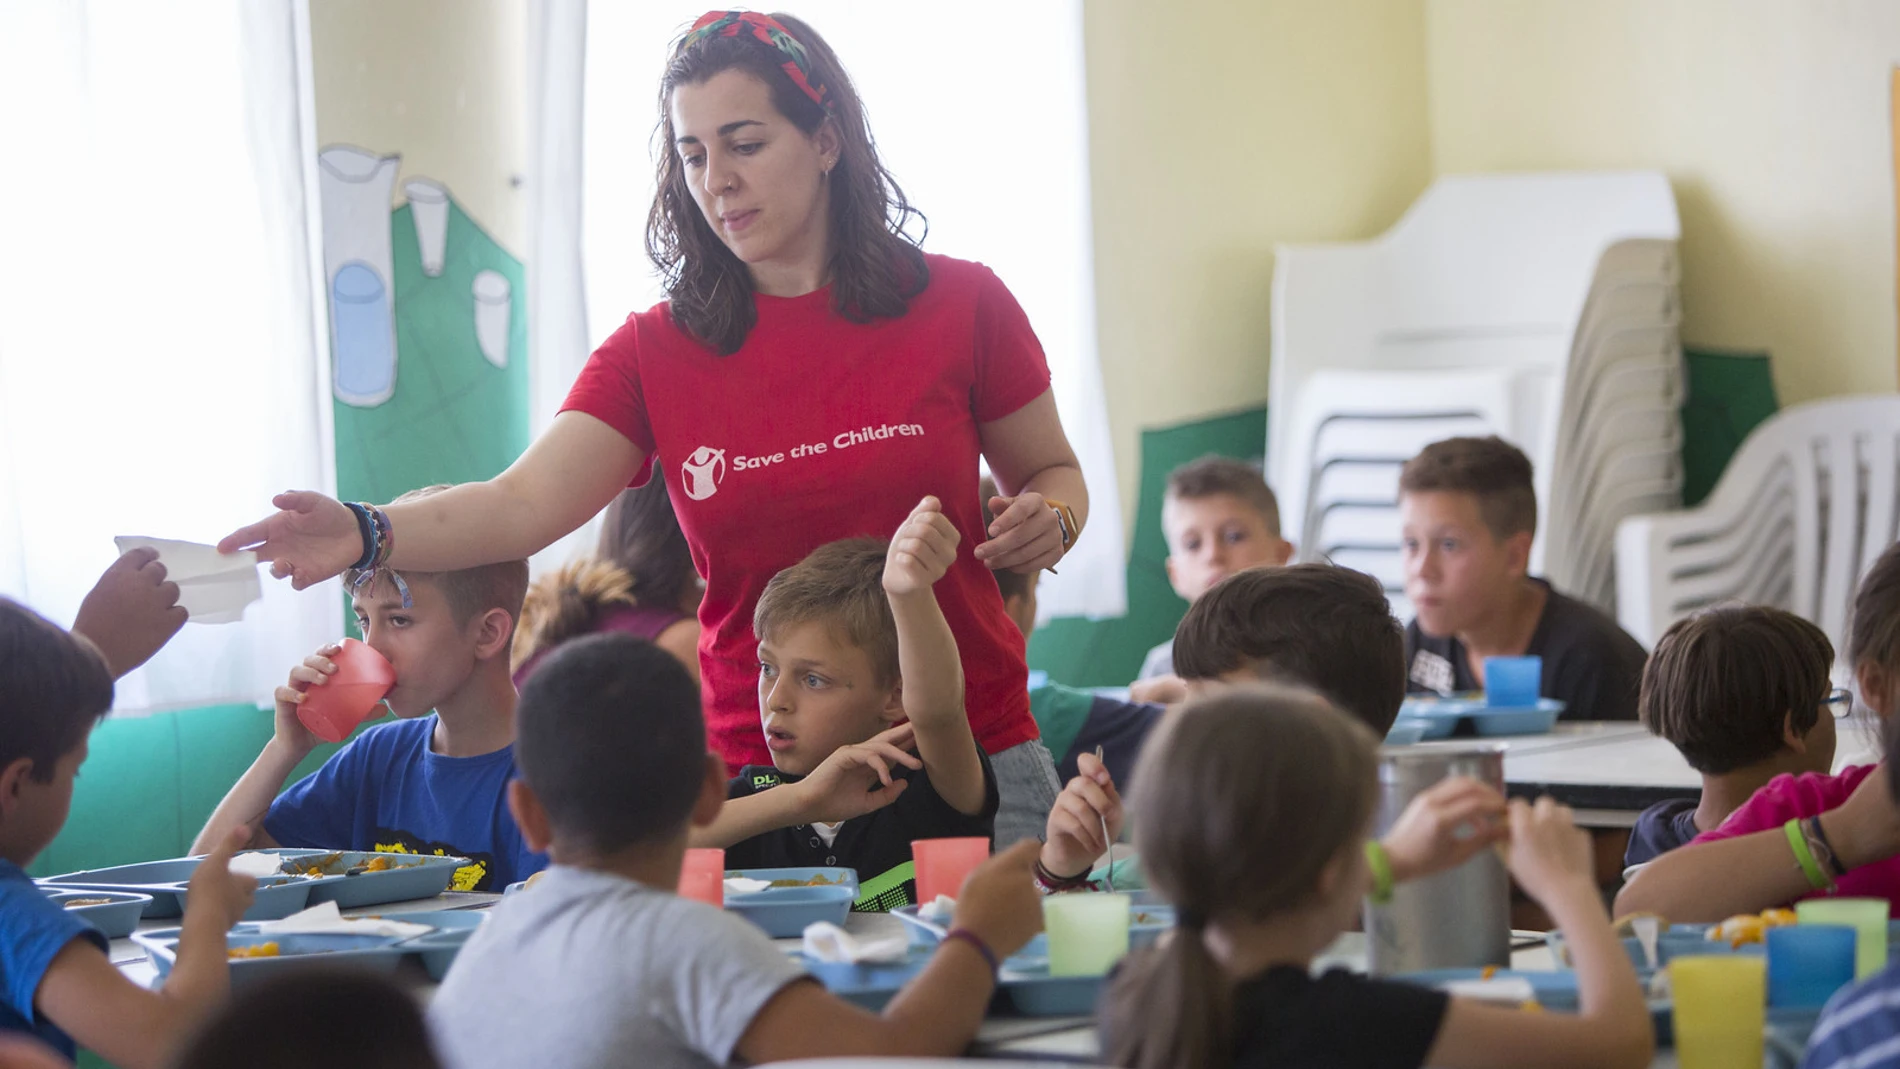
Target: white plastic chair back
1804,508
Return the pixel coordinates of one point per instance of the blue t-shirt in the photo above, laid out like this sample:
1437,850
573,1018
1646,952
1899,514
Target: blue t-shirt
1860,1027
33,930
386,791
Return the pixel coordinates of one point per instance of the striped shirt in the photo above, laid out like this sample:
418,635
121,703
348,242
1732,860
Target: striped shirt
1860,1029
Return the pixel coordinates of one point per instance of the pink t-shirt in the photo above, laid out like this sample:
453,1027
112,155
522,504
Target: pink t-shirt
1786,798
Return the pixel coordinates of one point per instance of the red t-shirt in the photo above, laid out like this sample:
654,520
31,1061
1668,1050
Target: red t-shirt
819,429
1785,798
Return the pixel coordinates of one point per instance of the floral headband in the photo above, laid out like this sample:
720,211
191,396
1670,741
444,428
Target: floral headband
768,31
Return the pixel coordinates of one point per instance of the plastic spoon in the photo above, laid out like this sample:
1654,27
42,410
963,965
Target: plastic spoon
1647,929
1108,874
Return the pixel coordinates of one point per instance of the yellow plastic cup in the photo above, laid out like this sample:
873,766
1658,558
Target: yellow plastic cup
1720,1010
1867,916
1088,933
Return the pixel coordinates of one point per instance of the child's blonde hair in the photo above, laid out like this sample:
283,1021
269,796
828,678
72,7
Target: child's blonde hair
1241,802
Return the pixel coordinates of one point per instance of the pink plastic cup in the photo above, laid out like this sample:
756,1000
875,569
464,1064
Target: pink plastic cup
703,876
333,709
943,864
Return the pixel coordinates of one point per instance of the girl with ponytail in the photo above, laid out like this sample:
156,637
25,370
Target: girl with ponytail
640,581
1252,811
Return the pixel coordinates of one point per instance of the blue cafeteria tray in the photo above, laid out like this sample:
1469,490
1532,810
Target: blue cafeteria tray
374,952
410,876
1444,714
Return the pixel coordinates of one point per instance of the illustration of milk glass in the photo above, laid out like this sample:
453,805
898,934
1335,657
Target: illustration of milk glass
429,208
358,266
493,304
701,472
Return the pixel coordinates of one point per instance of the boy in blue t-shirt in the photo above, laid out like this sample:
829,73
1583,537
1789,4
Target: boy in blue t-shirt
436,780
57,984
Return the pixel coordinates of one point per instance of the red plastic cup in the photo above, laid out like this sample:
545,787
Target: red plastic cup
703,876
943,864
332,709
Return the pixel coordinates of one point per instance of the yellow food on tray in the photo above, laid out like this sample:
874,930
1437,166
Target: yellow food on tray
261,950
819,880
1749,928
379,863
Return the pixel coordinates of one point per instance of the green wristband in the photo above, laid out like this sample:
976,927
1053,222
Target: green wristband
1381,865
1804,857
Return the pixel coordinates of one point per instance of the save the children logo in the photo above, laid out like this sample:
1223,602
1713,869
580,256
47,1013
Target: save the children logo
702,472
705,469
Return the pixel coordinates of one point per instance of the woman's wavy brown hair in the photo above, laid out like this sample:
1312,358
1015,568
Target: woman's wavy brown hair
876,266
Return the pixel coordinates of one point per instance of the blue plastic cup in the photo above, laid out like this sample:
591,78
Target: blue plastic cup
1807,963
1512,681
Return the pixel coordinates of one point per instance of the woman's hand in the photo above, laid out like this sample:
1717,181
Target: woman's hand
313,538
1026,537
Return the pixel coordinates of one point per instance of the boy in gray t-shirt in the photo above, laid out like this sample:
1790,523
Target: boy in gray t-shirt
601,964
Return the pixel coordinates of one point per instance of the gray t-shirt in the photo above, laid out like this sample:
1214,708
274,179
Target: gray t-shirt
1159,662
588,969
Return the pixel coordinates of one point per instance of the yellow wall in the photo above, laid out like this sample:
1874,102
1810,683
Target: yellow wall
1771,118
1218,128
443,82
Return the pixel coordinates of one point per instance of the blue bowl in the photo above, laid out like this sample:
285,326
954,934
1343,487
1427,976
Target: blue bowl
116,918
410,876
373,952
785,912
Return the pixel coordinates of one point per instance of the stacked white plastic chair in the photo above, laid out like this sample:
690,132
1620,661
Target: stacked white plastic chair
1804,508
1538,307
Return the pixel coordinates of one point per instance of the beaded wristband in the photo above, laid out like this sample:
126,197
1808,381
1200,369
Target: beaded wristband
365,529
1822,849
1381,864
967,936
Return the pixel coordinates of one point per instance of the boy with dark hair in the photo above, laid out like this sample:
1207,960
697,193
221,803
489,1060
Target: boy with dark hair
1469,513
601,962
1318,626
1219,517
1743,692
436,780
857,667
60,987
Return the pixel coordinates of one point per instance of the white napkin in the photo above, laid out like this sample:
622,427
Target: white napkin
213,587
742,885
325,919
942,910
1510,990
827,942
258,864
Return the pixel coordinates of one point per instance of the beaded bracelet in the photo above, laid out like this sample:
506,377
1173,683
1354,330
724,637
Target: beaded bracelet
366,530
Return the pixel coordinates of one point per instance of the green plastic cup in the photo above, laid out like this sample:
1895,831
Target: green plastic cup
1088,933
1867,916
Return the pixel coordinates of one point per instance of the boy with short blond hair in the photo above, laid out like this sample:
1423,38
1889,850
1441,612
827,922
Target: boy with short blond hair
1468,515
858,669
436,780
60,986
1219,517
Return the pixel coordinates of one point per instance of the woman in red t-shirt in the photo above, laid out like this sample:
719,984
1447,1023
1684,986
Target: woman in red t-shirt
812,375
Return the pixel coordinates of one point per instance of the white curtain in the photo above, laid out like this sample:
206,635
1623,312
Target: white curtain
980,110
159,366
